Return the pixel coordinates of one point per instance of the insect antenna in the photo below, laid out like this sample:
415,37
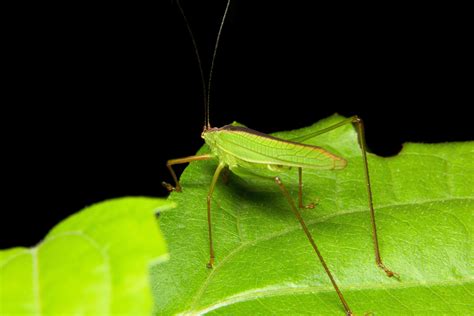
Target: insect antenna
213,59
201,71
206,89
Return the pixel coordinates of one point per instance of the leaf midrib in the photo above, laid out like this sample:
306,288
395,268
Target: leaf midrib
273,291
246,244
33,251
35,276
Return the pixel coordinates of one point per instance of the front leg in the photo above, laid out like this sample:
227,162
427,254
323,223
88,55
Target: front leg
219,168
171,162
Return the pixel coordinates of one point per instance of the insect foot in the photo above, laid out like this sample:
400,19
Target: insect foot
388,272
310,205
210,264
170,188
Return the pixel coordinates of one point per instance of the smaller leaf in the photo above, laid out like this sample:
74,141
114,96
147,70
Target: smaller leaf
95,262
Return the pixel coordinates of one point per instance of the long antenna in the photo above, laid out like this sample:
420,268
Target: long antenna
213,59
196,52
206,90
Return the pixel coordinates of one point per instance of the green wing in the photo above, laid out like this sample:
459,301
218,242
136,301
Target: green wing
255,147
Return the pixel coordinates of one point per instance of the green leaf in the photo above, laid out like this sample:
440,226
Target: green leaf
96,262
264,264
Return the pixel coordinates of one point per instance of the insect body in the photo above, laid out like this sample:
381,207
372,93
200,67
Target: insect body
243,147
246,152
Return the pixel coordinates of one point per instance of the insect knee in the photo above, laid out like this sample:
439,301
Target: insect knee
356,119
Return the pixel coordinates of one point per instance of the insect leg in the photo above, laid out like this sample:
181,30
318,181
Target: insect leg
361,134
310,238
172,162
209,197
225,175
359,125
300,190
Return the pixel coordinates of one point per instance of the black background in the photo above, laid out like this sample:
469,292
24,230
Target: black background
97,98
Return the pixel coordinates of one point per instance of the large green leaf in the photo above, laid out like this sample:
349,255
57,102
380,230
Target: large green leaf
265,265
95,262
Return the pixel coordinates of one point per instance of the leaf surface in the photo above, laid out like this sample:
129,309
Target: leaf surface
424,202
96,262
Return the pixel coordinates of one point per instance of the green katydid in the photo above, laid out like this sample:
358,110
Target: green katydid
245,152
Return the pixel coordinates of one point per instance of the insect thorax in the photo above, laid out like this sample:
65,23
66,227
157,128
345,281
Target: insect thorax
210,136
236,164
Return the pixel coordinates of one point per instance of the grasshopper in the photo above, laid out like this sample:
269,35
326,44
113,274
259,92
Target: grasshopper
244,151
